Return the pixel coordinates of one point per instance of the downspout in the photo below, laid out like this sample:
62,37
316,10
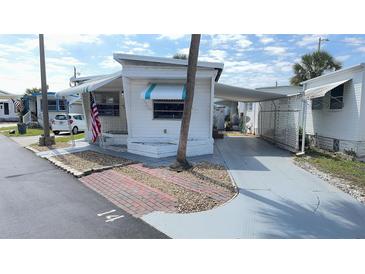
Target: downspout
260,120
304,118
275,116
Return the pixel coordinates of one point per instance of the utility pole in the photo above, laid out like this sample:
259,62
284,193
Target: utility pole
46,140
320,40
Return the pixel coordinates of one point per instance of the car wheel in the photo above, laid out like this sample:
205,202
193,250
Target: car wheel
56,132
75,130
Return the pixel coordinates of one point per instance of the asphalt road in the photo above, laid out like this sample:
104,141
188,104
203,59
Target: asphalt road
38,200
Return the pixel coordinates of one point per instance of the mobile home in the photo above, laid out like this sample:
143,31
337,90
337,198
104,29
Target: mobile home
141,107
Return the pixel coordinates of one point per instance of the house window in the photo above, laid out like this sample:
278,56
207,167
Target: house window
62,105
317,103
336,99
168,109
107,103
52,105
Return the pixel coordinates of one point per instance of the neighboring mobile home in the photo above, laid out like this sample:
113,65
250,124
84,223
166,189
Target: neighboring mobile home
336,110
8,111
34,111
141,106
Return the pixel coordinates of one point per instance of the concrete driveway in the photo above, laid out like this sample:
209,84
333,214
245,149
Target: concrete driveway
276,199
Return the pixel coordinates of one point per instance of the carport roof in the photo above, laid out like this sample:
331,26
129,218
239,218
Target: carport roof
232,93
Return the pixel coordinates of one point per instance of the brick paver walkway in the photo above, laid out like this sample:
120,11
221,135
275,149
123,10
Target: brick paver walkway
216,193
136,198
139,199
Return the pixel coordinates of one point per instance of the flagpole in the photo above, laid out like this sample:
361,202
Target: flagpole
101,139
69,124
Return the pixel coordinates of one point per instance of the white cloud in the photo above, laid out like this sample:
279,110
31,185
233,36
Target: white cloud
310,41
361,49
214,56
266,39
59,42
283,66
245,66
237,41
183,51
343,58
275,50
110,63
171,36
354,41
130,46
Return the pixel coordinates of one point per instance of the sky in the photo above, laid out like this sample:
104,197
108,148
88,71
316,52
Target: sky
249,60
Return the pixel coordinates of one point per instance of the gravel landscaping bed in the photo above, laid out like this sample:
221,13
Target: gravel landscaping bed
355,191
45,148
188,201
88,160
214,176
214,173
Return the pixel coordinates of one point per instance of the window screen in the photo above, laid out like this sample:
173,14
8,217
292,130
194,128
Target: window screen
336,99
107,103
317,103
168,109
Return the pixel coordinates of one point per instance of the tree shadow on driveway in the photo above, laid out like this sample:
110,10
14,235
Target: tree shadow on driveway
331,219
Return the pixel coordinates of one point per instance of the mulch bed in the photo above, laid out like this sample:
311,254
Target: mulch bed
87,160
46,148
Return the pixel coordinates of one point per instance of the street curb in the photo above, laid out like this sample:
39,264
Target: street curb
79,174
32,149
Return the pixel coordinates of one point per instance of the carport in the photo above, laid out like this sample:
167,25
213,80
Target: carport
279,116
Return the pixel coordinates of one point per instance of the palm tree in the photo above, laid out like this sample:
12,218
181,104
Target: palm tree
313,65
181,162
182,56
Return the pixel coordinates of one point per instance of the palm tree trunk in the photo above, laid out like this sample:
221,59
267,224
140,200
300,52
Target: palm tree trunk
181,161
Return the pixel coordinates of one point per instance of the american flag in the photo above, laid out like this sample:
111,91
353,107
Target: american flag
95,121
18,104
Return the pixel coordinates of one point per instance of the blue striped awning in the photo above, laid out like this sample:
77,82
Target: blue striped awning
164,92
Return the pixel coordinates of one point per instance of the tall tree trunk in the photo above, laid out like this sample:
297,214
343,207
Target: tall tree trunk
181,161
46,136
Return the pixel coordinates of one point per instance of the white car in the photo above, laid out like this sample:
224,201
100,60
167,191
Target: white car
60,123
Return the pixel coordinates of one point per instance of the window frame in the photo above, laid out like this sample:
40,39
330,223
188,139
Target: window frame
163,101
339,99
106,108
319,99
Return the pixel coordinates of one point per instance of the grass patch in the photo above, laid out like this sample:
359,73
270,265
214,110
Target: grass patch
7,128
352,171
64,139
30,132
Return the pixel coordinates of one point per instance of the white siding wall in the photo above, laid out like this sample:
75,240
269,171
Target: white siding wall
143,126
344,123
12,116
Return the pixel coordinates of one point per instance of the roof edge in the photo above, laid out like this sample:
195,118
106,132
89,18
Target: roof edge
144,58
361,65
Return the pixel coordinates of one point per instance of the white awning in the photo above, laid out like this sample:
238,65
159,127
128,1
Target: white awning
89,86
321,91
164,92
233,93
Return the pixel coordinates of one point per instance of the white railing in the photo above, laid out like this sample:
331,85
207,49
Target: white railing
27,118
